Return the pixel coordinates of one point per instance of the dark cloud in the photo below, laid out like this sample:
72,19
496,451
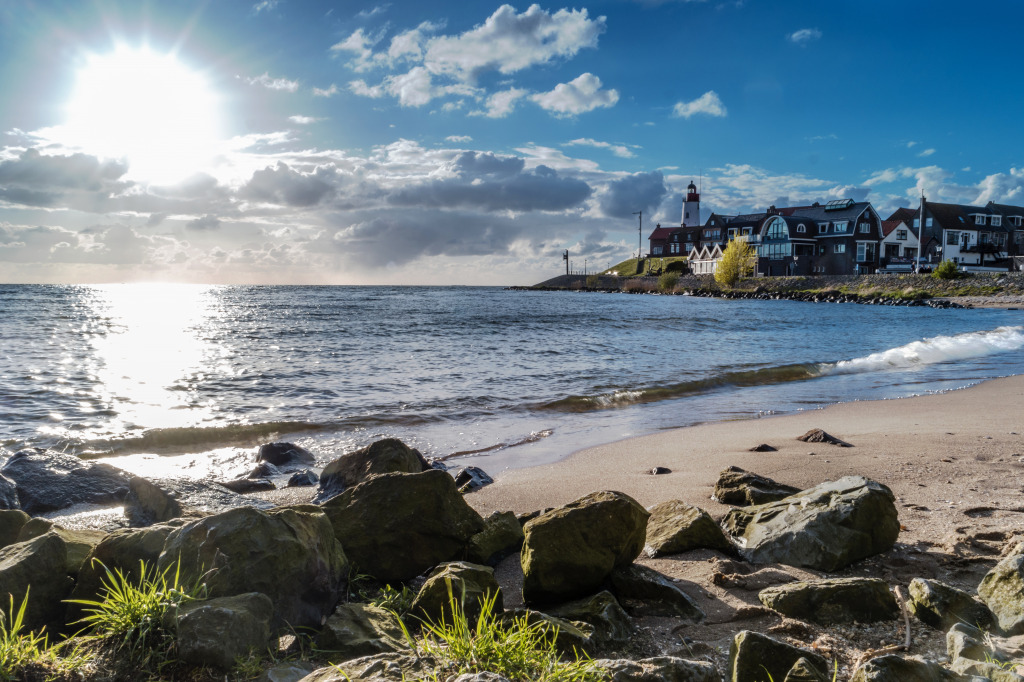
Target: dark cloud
477,164
206,223
77,171
282,185
637,192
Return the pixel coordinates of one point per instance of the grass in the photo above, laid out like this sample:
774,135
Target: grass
28,653
627,268
517,650
130,614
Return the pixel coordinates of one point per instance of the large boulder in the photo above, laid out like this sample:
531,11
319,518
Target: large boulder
356,630
285,456
740,487
216,631
827,527
942,606
8,494
11,523
985,670
150,502
611,624
894,668
836,600
386,456
289,554
468,584
502,535
676,527
396,526
389,667
967,641
644,592
658,669
569,552
1002,589
48,481
753,656
42,564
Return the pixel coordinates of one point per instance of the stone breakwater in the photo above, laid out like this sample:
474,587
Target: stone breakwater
386,517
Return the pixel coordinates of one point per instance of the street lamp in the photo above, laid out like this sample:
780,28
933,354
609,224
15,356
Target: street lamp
639,238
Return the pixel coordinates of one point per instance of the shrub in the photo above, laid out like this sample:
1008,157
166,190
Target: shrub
737,262
668,281
947,269
677,266
593,281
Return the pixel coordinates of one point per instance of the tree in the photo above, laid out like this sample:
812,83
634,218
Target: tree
737,262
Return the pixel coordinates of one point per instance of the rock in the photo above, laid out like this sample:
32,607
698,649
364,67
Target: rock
78,544
41,563
571,637
658,669
356,630
645,592
819,436
214,632
121,550
287,671
304,478
48,481
378,668
676,527
285,455
396,526
470,584
753,656
763,447
249,485
11,523
804,671
572,550
289,554
739,487
942,606
382,457
264,470
8,494
659,471
502,535
836,600
826,527
472,479
985,670
480,677
34,528
612,627
150,502
530,516
1002,590
967,641
893,668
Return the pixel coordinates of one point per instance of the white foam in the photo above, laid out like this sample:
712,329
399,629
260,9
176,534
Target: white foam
935,350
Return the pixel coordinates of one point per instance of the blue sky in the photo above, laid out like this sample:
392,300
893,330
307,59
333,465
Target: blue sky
277,141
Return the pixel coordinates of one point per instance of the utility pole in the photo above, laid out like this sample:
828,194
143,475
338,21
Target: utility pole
565,257
639,239
920,244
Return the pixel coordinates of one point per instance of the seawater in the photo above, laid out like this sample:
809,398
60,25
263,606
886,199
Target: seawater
174,379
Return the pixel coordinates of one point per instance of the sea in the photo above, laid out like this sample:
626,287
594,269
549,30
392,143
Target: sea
188,380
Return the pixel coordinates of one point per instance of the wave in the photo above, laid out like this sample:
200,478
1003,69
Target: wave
934,350
191,439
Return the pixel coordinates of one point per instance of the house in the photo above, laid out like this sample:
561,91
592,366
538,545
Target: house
976,238
846,232
899,246
786,245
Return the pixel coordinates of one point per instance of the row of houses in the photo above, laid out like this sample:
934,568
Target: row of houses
844,237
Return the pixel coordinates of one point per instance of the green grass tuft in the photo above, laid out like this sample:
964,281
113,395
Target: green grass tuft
22,652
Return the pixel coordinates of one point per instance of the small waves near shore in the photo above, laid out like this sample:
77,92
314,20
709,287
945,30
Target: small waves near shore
500,378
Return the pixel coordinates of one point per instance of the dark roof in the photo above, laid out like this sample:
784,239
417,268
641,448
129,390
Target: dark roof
958,216
662,233
905,214
827,213
1006,209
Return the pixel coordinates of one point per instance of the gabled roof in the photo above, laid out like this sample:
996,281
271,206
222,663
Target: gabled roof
958,216
1006,209
902,214
889,225
828,213
662,233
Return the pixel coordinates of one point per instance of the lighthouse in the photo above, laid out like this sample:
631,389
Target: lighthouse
691,207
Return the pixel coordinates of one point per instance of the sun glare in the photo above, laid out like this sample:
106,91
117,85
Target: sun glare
147,108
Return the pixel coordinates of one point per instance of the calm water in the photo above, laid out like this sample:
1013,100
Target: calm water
186,379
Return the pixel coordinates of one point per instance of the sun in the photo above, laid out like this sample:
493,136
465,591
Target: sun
148,108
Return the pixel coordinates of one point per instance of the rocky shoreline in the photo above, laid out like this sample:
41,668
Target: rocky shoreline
306,590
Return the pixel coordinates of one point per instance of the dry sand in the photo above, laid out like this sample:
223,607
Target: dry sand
955,462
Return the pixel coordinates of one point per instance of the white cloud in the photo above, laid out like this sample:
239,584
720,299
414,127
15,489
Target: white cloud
265,5
578,96
413,89
303,120
620,150
274,83
326,92
501,104
926,152
458,138
804,36
911,144
708,103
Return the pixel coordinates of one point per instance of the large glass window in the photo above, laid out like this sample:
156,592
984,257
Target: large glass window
952,238
777,229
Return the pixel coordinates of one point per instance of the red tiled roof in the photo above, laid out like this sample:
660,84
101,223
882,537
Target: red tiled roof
662,232
890,225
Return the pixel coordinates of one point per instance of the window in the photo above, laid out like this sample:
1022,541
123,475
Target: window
999,239
979,219
985,238
673,247
927,222
746,230
732,233
952,238
656,251
865,228
917,222
821,249
860,252
997,221
1016,220
901,235
839,248
840,227
822,228
801,228
776,229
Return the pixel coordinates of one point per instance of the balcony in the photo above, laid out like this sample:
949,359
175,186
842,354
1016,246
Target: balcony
982,248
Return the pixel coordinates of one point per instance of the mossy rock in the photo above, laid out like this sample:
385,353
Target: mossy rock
1002,590
740,487
217,631
11,523
658,669
754,657
836,600
396,526
571,637
612,626
356,630
676,527
42,564
467,583
893,668
386,456
645,592
502,535
289,554
942,606
570,551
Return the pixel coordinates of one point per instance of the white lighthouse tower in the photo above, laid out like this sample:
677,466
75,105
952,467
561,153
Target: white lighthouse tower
691,207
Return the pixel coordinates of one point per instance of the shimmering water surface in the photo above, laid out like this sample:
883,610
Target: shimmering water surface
187,379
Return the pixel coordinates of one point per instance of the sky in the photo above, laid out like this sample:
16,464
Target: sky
410,142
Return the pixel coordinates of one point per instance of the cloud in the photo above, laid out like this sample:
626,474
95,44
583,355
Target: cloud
284,186
205,223
708,103
501,104
804,36
42,180
620,150
361,45
637,192
265,5
578,96
413,89
458,138
273,83
326,92
926,152
303,120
